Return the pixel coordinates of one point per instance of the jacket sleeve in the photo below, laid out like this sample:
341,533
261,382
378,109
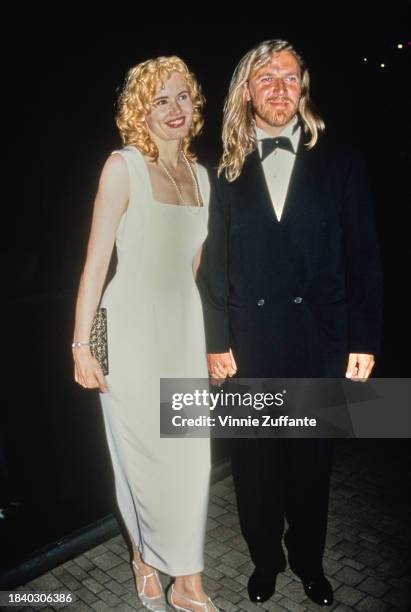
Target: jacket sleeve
212,276
363,265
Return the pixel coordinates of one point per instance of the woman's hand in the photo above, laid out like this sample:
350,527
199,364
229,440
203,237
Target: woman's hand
87,370
109,206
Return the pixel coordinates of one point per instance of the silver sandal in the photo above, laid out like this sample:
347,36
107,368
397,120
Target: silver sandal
155,604
202,604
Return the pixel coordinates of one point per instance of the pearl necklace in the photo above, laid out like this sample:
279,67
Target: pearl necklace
177,187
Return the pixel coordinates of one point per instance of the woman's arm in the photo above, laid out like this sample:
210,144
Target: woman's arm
196,262
109,205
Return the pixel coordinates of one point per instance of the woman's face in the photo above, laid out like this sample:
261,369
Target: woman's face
172,109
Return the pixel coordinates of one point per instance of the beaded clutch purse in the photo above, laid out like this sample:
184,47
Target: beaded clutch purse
98,339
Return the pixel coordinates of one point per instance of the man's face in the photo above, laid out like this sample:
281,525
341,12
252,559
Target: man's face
275,91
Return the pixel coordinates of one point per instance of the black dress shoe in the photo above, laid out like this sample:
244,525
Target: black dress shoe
319,590
261,586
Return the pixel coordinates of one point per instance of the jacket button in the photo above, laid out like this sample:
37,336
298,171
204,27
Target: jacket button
297,300
260,302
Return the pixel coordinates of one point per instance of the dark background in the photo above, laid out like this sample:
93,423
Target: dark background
58,128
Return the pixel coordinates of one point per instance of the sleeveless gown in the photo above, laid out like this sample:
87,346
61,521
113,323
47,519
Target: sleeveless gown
155,329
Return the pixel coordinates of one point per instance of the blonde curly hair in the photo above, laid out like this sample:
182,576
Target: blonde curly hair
134,103
239,137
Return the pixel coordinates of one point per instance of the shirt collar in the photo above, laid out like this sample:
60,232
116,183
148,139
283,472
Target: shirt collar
290,131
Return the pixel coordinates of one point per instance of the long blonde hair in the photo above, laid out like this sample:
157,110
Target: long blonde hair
134,103
239,137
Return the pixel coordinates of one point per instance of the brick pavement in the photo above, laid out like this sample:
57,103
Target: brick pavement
366,556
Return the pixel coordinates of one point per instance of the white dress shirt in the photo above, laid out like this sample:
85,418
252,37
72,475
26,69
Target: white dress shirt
279,165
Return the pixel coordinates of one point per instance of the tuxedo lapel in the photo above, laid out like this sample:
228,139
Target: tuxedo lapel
305,208
303,204
300,188
251,189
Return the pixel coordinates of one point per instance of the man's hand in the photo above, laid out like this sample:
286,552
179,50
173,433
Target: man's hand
359,366
221,365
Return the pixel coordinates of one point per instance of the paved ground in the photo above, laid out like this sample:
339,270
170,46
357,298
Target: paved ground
366,556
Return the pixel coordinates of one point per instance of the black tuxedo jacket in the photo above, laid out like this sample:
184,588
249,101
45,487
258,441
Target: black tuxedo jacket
293,298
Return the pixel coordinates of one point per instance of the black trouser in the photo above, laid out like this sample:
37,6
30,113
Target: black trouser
283,478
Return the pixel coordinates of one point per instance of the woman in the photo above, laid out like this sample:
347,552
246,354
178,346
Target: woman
152,201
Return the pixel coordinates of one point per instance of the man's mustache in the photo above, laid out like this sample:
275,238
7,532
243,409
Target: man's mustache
278,99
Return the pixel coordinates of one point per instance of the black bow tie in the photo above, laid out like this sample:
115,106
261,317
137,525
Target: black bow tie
270,144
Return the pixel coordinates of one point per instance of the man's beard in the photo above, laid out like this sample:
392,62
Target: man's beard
275,117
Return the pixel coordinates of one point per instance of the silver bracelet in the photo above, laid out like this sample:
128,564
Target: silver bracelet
78,344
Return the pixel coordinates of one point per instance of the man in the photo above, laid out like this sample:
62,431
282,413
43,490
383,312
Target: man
291,286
